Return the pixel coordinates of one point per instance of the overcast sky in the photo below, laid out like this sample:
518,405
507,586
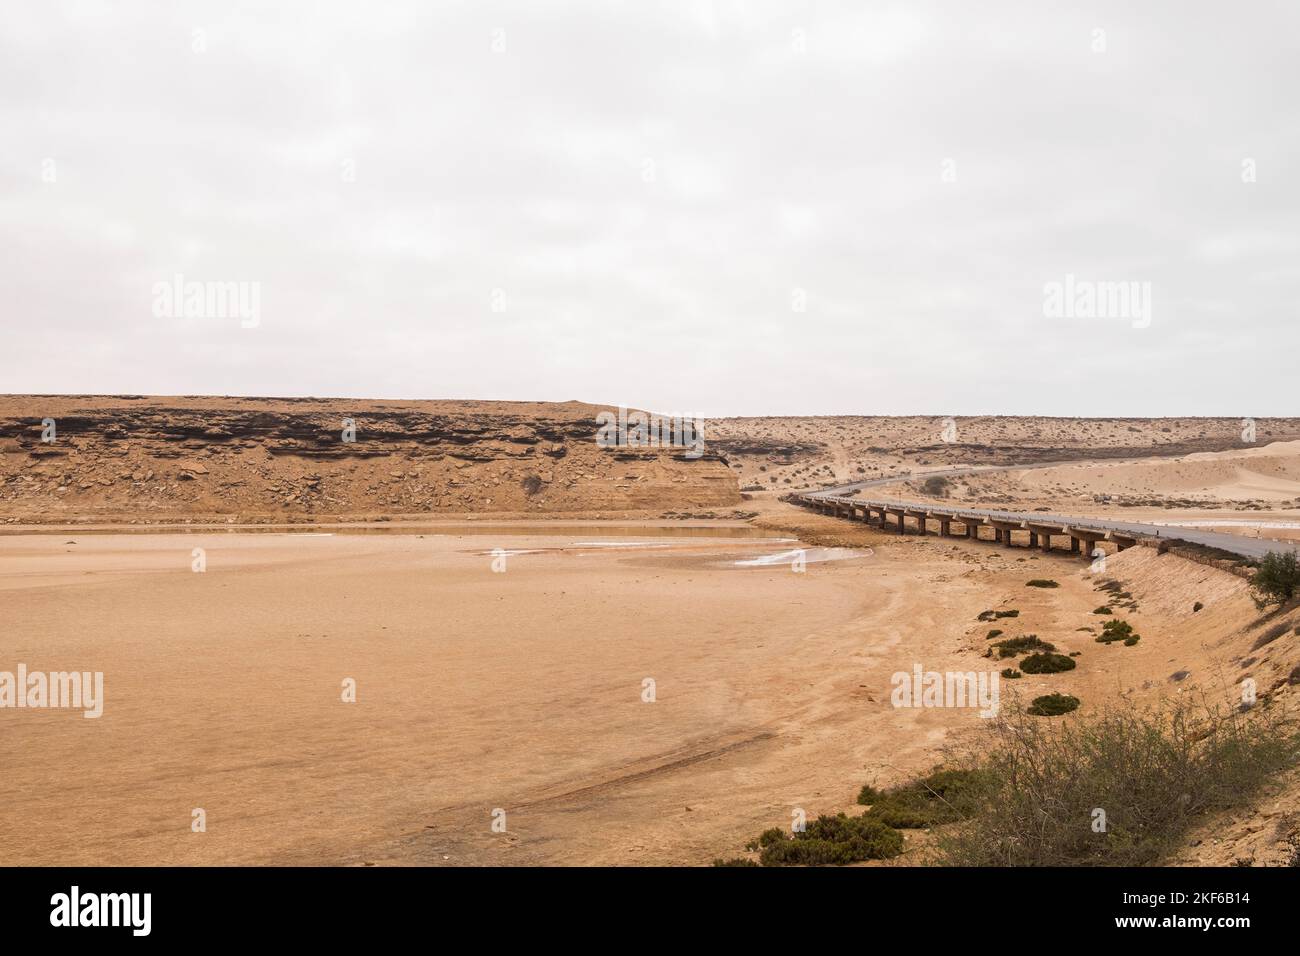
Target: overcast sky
716,208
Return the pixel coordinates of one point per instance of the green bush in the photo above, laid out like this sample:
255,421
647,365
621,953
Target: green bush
1010,673
1117,630
996,632
835,841
1277,579
1053,705
735,861
1019,645
1102,610
942,797
1047,664
1041,583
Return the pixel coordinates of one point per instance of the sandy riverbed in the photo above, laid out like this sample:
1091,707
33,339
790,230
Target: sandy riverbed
477,690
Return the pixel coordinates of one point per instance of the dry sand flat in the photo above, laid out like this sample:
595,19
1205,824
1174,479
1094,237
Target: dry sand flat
520,691
476,690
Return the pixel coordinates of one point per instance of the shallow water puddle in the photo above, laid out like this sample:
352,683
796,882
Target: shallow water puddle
809,555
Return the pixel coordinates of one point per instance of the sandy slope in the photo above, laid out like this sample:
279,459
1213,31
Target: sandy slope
1249,491
792,453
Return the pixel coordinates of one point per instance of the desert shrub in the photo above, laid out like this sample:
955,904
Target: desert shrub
1102,610
1130,641
1277,578
735,861
1118,596
1271,635
1019,645
835,841
1197,606
1010,673
1041,583
942,797
1053,705
1154,773
992,615
996,632
936,486
531,485
1293,850
1047,664
1116,630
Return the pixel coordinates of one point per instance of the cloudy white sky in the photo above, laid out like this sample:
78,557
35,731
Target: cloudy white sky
631,202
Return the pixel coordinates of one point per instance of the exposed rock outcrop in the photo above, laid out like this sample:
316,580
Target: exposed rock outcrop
125,456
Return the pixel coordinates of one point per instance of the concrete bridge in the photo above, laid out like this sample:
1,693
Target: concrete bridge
1000,527
1078,535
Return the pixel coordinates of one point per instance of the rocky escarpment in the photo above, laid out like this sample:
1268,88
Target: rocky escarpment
127,456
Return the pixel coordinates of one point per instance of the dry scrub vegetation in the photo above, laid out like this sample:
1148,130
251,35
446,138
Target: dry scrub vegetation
1116,788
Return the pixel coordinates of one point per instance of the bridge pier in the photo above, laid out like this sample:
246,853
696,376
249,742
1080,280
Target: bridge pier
1041,536
1003,533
